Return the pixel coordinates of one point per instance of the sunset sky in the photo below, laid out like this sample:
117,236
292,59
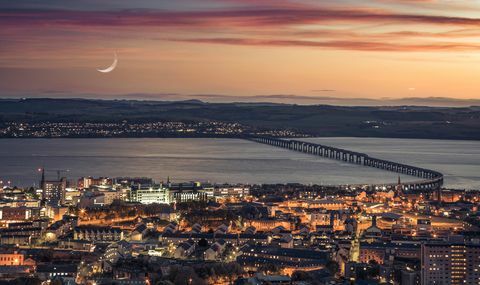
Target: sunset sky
338,48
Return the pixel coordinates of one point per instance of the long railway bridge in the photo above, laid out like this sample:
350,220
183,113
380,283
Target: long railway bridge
428,179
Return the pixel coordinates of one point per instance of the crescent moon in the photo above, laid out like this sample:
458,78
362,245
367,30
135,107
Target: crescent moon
111,67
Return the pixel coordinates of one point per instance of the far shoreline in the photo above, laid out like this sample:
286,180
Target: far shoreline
237,137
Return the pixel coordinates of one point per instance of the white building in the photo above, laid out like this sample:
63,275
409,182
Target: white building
231,191
150,194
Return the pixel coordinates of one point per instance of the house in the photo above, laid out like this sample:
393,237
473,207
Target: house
325,229
115,252
266,225
60,228
129,272
234,239
250,230
196,228
272,279
171,228
167,214
97,233
16,271
80,245
287,258
385,251
278,230
222,229
286,241
215,251
11,258
50,271
139,232
20,235
184,249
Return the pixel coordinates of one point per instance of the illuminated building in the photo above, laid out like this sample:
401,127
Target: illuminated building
15,213
266,225
382,252
97,233
54,191
91,199
450,263
87,182
150,194
253,257
181,196
327,204
224,191
373,232
424,227
11,259
452,196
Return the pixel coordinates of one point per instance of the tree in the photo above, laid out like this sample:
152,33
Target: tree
333,267
23,281
164,282
56,282
373,269
187,276
300,275
203,243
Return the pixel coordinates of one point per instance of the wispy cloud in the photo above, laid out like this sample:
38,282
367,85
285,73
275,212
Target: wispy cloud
347,45
323,90
243,46
257,27
236,17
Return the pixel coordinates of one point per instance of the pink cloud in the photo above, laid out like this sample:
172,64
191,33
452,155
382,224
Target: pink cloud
35,29
244,17
345,45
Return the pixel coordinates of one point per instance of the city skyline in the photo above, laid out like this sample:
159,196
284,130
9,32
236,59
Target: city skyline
240,142
239,48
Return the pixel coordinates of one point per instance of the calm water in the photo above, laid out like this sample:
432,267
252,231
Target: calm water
231,160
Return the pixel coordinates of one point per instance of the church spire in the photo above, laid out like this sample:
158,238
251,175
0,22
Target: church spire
399,187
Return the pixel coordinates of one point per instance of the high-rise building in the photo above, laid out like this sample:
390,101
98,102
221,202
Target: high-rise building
446,263
53,191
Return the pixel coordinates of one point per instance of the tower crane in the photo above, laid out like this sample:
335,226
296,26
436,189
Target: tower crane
58,171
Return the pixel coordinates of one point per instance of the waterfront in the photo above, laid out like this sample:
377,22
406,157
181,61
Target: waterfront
233,160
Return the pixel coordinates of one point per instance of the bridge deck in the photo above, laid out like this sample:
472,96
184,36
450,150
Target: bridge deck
430,179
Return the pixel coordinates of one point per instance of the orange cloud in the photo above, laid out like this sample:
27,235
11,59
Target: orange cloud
234,17
347,45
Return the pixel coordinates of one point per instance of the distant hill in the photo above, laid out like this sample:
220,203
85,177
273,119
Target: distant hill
315,120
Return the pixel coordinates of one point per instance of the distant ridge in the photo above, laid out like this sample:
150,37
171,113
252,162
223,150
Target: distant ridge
313,120
271,98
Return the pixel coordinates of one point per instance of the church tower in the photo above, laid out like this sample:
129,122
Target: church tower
399,187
